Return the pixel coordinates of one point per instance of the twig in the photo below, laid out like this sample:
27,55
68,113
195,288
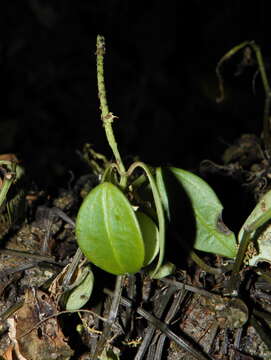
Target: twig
11,310
61,313
162,304
260,330
190,288
178,297
27,255
164,328
71,269
111,317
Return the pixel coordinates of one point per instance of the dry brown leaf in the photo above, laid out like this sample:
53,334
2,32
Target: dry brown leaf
45,341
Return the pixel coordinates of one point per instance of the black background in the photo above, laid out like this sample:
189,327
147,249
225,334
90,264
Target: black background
160,77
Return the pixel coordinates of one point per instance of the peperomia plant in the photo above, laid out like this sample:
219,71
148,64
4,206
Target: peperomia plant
121,223
112,228
107,227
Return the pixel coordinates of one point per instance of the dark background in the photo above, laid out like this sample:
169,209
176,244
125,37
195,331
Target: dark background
160,77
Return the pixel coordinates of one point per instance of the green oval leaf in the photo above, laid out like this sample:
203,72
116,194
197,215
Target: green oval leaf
150,235
211,234
80,295
108,232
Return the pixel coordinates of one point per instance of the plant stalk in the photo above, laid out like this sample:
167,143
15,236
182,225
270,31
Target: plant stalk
159,210
266,86
202,264
107,116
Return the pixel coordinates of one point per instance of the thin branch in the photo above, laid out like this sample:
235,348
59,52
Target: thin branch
164,328
111,317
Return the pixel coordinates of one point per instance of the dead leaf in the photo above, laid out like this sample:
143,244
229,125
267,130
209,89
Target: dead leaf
45,341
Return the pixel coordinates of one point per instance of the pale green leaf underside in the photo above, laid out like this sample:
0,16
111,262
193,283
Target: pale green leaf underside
150,235
259,215
81,294
207,209
263,251
108,232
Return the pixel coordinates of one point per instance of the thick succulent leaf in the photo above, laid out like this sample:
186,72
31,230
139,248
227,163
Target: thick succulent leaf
108,232
260,234
150,235
211,234
80,295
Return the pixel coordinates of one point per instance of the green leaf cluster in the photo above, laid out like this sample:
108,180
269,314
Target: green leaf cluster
120,240
119,234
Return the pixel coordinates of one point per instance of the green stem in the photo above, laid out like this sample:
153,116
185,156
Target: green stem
204,266
107,117
259,58
266,123
234,278
224,58
159,210
241,252
266,118
246,238
267,90
108,173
